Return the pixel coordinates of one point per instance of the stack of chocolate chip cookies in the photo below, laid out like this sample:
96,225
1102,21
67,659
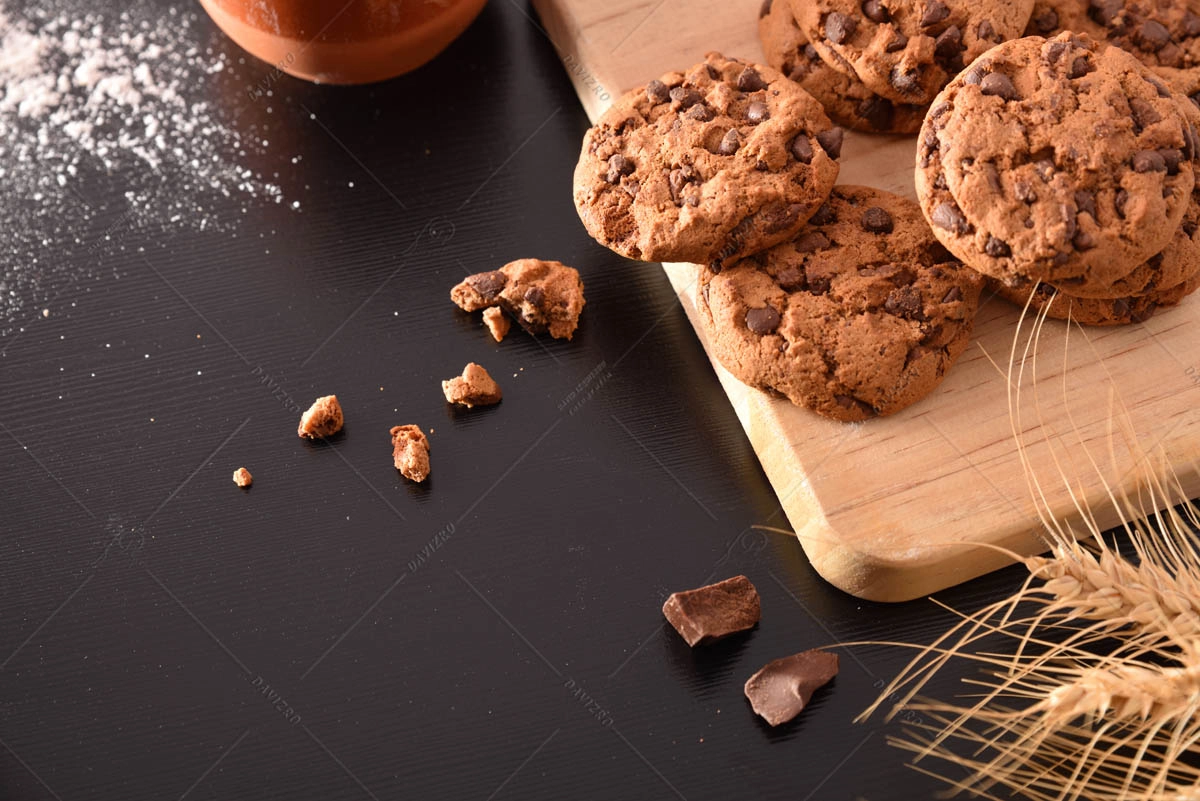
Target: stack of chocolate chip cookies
839,298
1064,169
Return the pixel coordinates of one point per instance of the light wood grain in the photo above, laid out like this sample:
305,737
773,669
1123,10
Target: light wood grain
891,509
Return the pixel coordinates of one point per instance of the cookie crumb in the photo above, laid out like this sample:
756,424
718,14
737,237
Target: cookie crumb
473,388
542,296
242,477
410,452
496,322
323,419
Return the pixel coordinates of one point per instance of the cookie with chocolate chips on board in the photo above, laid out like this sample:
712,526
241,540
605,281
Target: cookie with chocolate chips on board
846,99
706,166
1096,311
1060,160
1161,33
861,314
907,50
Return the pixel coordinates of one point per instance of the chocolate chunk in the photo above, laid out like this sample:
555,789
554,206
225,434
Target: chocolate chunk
953,296
1086,202
898,43
1143,314
904,81
1083,240
750,80
998,84
657,92
699,112
1081,66
1046,21
791,279
1148,161
839,27
1024,192
1191,143
906,302
780,691
730,143
877,111
685,98
985,30
877,221
831,141
1172,158
1191,24
1144,115
1160,88
935,12
678,179
762,321
758,112
802,149
707,614
823,216
535,295
1054,51
997,248
811,241
1105,11
948,216
1119,201
875,11
488,284
973,77
949,43
993,177
1151,36
618,166
713,72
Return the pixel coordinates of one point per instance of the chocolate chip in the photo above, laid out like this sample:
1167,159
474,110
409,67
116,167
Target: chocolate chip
791,279
824,215
935,12
818,284
877,111
898,43
905,302
1081,66
1159,87
1086,202
783,688
1083,240
998,84
1195,98
677,180
802,149
1151,36
953,296
1148,161
750,80
985,30
618,166
779,218
1191,24
730,143
1144,114
657,92
1046,21
949,43
811,241
1119,201
877,221
973,76
685,98
1143,314
764,9
948,216
699,112
997,248
711,613
875,11
762,321
488,284
1105,11
839,27
1024,192
907,82
1054,51
758,112
992,175
1171,158
1191,142
535,295
831,142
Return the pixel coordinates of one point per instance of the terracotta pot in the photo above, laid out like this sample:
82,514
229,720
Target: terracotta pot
343,41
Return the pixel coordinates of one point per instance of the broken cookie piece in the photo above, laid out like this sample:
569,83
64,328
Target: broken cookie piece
497,324
323,419
780,691
473,388
708,614
543,296
410,452
242,477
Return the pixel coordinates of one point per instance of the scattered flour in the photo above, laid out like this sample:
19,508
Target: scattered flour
110,125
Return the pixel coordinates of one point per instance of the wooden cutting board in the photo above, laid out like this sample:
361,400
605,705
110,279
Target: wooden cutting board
892,509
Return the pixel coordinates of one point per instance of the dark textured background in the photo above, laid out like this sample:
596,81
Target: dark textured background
145,600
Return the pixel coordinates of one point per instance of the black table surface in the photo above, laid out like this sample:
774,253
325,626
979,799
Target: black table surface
336,631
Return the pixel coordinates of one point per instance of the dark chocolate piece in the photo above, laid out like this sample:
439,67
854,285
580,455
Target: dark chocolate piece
708,614
781,690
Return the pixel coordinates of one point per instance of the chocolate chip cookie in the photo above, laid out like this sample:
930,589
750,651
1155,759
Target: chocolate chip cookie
1060,160
706,166
859,315
1161,33
543,296
907,50
1096,311
846,99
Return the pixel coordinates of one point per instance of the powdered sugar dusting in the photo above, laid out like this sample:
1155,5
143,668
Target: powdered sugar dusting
90,104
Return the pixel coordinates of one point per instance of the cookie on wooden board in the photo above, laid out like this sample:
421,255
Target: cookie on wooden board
859,315
907,50
846,99
1061,160
706,166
